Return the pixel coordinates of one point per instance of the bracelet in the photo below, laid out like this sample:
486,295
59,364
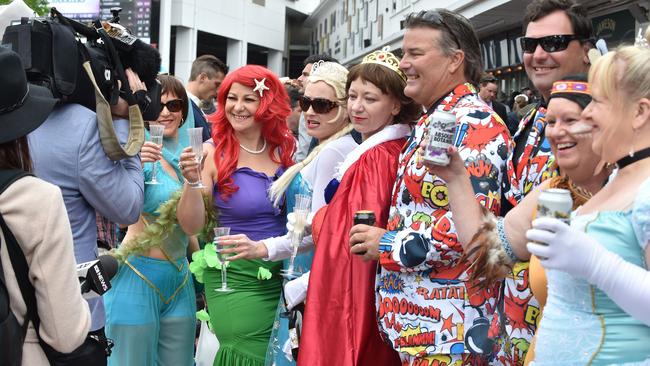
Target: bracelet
505,243
193,184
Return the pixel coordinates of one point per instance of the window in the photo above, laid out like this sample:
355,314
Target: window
365,14
361,39
380,26
373,6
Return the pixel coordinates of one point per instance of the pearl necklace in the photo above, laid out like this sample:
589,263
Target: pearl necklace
254,151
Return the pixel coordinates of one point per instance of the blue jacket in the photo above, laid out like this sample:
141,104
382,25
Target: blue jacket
66,152
199,121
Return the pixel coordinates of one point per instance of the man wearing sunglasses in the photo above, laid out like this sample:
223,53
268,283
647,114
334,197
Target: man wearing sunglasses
421,288
557,37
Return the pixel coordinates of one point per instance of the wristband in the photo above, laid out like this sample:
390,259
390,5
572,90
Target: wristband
507,247
193,184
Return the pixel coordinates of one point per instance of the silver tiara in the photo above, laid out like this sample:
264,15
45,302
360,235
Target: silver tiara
329,70
640,40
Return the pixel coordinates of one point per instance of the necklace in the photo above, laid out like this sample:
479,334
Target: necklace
254,151
639,155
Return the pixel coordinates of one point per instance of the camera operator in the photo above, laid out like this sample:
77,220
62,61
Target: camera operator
34,213
67,152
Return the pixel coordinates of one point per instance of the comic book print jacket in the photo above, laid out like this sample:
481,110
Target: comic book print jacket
425,305
535,165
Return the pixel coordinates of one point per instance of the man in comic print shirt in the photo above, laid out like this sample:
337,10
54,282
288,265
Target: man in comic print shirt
531,162
426,309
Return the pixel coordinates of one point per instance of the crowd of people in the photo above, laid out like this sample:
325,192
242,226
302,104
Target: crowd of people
456,269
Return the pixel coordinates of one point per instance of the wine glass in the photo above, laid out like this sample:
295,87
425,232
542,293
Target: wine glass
155,136
196,142
223,258
300,211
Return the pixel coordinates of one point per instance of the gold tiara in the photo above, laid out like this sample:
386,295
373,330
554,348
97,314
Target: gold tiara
385,58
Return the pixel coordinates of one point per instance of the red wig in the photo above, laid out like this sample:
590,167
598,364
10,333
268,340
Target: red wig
272,114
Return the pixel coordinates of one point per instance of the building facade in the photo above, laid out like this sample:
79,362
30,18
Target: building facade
265,32
349,29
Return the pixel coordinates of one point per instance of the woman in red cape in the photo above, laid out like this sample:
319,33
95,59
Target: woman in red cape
340,325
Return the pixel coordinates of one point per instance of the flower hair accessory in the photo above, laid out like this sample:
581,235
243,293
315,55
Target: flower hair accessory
260,87
385,58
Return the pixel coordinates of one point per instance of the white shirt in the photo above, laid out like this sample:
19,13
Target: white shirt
318,173
195,99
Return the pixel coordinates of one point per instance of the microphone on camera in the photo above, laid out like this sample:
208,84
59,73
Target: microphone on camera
94,276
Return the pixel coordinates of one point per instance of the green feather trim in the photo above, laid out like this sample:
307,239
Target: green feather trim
153,234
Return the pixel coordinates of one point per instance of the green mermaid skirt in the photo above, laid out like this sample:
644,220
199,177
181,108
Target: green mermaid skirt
242,319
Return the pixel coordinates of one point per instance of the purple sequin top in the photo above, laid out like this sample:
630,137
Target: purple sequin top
249,210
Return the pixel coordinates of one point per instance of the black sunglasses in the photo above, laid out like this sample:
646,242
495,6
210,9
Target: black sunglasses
433,17
554,43
174,105
320,105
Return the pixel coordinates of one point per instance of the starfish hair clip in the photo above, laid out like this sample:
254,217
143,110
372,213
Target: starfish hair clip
260,86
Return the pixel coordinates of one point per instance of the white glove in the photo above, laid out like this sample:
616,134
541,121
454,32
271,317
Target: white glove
575,252
295,291
291,221
558,246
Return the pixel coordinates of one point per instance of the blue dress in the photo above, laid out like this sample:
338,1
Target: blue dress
151,307
302,264
581,324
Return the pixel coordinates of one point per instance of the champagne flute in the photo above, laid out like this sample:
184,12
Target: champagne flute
300,211
156,136
196,142
223,258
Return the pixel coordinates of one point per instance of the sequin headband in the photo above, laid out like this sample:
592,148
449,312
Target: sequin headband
570,87
385,58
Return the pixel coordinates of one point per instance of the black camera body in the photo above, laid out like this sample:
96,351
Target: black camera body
53,54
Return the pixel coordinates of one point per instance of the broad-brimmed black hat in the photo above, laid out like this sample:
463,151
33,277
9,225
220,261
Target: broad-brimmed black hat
23,106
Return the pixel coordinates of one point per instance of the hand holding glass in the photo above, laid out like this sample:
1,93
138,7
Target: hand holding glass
223,258
155,136
196,142
300,211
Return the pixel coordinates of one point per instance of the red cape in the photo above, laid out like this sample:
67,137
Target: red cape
340,325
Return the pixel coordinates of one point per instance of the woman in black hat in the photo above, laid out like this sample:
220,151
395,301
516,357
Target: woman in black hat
34,212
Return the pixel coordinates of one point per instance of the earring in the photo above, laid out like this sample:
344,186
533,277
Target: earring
631,153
